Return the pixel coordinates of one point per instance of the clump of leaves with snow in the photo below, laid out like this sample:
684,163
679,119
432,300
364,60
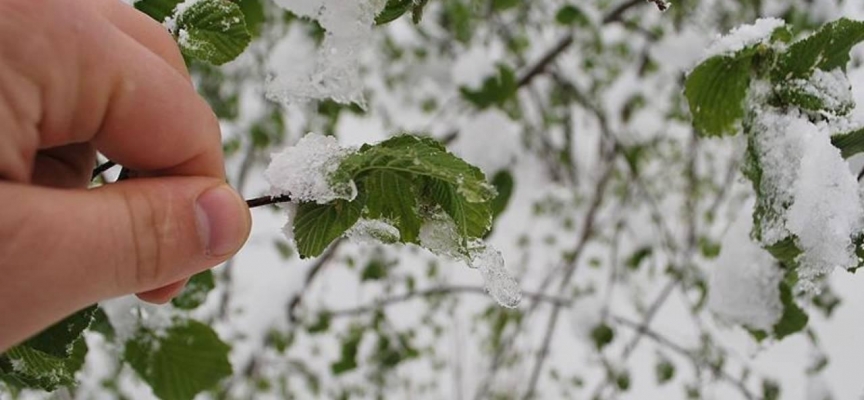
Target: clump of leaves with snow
406,189
792,102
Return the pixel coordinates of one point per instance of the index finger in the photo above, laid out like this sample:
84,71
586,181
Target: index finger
97,84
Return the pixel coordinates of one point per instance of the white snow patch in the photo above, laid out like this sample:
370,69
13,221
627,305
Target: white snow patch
335,71
744,36
302,171
373,231
827,210
745,280
832,88
496,279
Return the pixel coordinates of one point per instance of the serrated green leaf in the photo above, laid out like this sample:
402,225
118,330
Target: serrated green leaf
850,143
58,339
472,220
716,90
318,225
157,9
186,360
826,49
196,291
391,196
420,157
26,367
212,30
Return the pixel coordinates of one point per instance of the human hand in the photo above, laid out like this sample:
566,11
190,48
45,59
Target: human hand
78,77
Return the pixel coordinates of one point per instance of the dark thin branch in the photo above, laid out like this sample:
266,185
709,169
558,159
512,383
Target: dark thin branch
268,200
322,261
439,291
101,168
565,42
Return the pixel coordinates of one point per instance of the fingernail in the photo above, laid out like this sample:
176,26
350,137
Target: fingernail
222,220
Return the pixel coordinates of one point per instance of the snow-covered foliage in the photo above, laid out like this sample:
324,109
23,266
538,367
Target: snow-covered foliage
334,71
303,171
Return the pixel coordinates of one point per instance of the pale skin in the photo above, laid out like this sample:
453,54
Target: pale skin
77,77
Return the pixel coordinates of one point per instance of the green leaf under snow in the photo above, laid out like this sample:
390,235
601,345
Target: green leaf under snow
826,49
472,220
850,143
716,90
571,15
391,196
59,338
496,90
212,30
51,358
185,360
195,292
318,225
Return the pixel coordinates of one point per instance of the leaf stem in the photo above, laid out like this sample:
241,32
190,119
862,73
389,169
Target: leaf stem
267,200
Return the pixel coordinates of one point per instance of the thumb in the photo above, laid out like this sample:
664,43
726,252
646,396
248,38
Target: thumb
61,250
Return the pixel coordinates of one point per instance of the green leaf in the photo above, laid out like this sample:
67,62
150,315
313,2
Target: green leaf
770,390
102,325
253,13
393,10
716,90
58,340
826,49
212,30
602,335
157,9
501,5
665,371
635,260
571,15
321,324
184,361
375,270
318,225
391,196
472,220
793,319
496,90
350,345
850,143
25,367
195,292
504,183
419,157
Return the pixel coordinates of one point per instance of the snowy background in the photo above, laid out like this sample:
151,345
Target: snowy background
616,219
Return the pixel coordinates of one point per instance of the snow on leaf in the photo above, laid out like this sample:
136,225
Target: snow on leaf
336,71
745,281
303,171
745,36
